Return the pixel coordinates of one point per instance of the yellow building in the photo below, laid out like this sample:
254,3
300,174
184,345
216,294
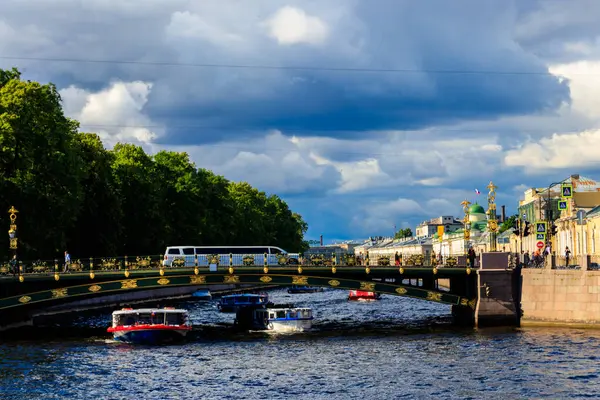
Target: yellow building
543,204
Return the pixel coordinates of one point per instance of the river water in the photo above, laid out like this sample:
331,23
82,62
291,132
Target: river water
392,349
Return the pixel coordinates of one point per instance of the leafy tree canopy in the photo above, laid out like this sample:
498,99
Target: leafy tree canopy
403,233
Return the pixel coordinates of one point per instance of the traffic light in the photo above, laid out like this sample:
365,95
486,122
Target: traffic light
516,229
526,230
553,230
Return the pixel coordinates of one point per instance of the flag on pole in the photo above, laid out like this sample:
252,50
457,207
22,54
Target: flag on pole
477,191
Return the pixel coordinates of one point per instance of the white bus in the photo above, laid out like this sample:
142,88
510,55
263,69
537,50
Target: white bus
189,254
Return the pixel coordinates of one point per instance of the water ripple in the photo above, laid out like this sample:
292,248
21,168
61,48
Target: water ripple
396,348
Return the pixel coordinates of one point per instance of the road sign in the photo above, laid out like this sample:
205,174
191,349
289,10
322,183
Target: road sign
540,245
562,205
540,227
567,190
540,236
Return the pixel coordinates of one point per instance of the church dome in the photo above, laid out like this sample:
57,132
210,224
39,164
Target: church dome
476,209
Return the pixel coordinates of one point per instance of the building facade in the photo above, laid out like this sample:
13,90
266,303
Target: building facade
430,227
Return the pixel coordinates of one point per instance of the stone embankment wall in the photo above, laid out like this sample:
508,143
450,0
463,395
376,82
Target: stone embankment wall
564,297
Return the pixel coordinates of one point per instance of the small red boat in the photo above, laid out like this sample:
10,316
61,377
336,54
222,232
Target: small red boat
359,295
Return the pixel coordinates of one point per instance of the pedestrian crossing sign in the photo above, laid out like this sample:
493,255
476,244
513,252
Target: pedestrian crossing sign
540,236
562,205
540,227
567,190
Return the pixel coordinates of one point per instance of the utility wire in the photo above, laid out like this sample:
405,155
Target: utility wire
282,67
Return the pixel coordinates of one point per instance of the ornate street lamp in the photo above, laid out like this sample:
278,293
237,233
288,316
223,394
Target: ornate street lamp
467,225
491,213
12,235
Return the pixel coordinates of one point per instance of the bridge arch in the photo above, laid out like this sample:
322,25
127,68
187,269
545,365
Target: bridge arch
128,284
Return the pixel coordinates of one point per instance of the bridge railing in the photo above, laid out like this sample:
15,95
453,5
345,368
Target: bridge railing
149,262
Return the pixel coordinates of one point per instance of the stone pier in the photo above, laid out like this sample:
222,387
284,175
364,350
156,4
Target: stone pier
498,292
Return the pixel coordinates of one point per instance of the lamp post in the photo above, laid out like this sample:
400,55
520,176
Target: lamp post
12,235
467,225
492,219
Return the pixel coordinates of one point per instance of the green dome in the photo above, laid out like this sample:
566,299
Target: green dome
476,209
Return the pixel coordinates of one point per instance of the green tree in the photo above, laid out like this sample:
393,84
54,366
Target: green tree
509,223
403,233
98,228
40,171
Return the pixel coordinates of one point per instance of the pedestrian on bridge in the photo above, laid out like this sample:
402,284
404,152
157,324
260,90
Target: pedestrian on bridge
14,265
67,261
471,256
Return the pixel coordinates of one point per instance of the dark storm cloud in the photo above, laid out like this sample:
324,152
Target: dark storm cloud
201,105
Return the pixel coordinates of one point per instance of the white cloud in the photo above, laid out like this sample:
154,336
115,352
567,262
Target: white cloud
273,164
116,113
570,150
584,77
291,25
187,25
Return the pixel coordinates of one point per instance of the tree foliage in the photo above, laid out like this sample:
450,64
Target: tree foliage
403,233
508,223
74,194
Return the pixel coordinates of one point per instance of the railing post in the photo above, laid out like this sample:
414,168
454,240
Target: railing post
91,268
20,266
56,275
266,259
126,264
231,259
195,260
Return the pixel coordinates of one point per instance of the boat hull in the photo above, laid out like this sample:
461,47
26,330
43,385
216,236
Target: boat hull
150,336
363,296
289,326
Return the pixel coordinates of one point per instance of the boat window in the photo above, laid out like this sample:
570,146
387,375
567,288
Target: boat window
144,319
272,315
174,319
292,314
188,251
280,314
174,251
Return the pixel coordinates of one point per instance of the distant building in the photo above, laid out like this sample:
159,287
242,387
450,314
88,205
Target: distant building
330,249
430,227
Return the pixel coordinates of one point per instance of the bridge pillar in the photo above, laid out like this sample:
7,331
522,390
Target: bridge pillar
496,294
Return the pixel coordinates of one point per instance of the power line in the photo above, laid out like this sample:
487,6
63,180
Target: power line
282,67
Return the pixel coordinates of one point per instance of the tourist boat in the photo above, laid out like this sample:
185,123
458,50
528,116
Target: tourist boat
202,294
150,325
232,302
304,289
282,318
359,295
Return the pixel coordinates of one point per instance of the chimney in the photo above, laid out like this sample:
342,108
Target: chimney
503,215
321,240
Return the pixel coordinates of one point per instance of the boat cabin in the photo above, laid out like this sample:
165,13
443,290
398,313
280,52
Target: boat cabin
150,316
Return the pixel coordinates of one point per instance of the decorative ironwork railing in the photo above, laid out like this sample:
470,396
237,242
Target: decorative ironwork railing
156,262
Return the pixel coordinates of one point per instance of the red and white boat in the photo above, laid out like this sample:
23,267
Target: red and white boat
150,325
359,295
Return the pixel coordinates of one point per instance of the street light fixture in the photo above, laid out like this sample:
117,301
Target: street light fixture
12,236
492,219
467,225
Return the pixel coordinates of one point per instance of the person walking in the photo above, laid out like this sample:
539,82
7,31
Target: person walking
14,265
67,261
567,256
471,256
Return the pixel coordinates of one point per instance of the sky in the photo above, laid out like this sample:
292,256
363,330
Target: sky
364,115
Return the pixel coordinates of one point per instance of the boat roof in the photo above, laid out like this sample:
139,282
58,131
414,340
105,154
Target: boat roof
289,308
246,295
150,310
